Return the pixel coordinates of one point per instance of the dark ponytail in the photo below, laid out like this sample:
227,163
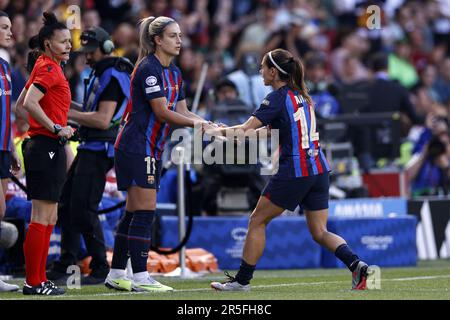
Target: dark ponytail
292,71
34,54
51,24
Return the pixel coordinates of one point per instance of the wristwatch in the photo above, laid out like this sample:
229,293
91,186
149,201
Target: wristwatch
57,128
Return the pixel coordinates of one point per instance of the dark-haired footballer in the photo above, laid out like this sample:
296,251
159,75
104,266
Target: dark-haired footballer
303,173
8,155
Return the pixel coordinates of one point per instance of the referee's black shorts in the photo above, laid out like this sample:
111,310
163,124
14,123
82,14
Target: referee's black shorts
45,167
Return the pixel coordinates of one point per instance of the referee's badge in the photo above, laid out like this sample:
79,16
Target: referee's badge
151,179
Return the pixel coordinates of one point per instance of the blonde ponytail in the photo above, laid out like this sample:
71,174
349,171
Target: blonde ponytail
149,28
146,44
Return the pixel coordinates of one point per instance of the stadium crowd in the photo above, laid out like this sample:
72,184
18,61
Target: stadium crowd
344,59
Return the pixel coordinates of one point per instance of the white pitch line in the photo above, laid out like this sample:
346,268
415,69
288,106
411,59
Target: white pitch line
181,290
209,289
418,278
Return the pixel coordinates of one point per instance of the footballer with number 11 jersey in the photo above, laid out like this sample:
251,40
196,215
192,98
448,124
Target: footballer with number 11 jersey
157,101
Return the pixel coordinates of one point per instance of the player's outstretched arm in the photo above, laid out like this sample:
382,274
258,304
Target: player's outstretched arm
252,123
182,109
174,118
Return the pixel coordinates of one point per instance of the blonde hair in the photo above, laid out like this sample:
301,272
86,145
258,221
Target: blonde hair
149,28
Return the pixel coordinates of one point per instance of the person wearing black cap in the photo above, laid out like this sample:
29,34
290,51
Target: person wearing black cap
106,94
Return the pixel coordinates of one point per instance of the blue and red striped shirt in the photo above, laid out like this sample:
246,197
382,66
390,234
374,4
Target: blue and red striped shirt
5,103
142,132
300,152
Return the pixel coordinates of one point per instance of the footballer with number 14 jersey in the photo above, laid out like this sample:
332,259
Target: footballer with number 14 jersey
303,172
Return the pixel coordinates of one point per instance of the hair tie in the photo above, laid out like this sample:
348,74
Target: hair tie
275,64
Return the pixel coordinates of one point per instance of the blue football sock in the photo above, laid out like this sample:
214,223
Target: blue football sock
120,255
139,238
346,255
245,273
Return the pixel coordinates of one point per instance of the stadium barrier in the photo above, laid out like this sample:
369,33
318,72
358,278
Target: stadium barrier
382,241
289,244
368,207
287,238
386,242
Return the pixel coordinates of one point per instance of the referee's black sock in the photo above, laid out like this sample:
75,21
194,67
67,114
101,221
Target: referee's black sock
120,256
245,273
139,237
346,255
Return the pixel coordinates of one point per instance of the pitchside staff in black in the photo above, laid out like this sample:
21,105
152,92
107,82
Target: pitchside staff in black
107,91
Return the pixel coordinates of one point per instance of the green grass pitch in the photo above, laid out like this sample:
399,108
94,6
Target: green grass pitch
429,280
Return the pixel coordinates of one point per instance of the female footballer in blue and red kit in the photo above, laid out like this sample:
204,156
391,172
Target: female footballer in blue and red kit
303,171
8,155
157,100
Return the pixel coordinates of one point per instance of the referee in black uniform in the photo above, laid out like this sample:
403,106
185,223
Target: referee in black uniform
105,98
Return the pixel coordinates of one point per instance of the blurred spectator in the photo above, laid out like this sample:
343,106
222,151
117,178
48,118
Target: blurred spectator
90,19
257,33
4,4
247,78
428,77
227,108
215,71
352,70
400,66
442,85
76,72
320,88
392,30
17,7
157,7
190,69
386,95
196,24
124,38
419,50
226,91
428,171
221,43
32,26
294,37
354,44
438,53
112,12
18,28
19,74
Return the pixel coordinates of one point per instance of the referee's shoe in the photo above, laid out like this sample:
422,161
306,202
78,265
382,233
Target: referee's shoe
47,288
